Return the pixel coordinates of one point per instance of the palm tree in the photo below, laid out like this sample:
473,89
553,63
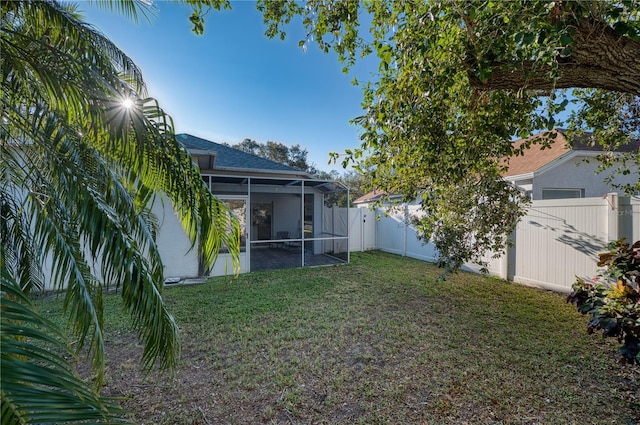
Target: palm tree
83,155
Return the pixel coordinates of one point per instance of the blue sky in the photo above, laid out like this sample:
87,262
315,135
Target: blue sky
234,83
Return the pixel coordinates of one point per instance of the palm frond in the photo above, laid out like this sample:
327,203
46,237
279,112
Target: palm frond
130,8
62,60
38,382
79,177
17,250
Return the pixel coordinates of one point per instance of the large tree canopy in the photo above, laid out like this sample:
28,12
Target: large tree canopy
459,80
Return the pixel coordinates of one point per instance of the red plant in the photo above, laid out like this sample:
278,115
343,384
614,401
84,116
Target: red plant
614,301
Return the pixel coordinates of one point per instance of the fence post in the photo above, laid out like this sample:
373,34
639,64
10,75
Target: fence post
362,228
406,228
378,219
508,260
613,205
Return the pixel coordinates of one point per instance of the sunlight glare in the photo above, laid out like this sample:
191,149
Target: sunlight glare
127,103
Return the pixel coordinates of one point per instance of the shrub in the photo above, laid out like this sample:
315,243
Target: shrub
612,299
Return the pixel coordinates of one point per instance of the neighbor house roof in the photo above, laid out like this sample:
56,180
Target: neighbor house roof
230,158
537,155
374,196
369,197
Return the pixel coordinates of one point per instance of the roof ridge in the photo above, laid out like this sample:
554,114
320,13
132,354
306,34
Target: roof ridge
225,146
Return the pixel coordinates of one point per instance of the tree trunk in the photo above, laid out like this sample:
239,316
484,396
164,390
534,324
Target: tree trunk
600,58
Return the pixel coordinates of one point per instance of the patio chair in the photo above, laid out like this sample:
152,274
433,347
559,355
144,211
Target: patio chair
296,243
279,240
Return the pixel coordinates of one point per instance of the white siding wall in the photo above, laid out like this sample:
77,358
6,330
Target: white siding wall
577,174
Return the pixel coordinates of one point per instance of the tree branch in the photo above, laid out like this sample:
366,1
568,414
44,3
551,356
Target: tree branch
600,58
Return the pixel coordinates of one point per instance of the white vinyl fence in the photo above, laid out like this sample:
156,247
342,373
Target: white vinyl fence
555,241
362,229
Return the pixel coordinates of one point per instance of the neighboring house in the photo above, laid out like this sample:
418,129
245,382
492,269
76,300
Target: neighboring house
558,171
287,218
562,171
366,200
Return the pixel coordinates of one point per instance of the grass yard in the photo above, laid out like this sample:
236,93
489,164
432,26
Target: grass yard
379,341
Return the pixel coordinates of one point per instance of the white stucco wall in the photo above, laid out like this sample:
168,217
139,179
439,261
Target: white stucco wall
173,244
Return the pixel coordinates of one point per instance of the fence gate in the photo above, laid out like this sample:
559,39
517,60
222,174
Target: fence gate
362,229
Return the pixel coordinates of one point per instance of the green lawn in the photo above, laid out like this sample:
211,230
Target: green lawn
379,341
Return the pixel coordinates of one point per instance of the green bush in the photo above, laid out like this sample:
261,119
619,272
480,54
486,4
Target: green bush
612,299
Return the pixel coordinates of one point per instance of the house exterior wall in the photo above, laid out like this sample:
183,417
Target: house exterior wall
287,210
287,215
578,174
173,244
180,261
318,221
526,185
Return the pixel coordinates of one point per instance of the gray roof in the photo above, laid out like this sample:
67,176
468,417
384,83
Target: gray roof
228,157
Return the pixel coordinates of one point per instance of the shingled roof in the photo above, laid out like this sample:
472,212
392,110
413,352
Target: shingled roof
230,158
535,157
370,197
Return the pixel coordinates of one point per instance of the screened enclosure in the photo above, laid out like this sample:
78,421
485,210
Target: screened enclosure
285,223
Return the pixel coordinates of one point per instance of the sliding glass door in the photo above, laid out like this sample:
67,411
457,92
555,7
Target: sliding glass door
223,265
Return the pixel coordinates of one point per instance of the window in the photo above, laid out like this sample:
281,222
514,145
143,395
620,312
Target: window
562,193
238,208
